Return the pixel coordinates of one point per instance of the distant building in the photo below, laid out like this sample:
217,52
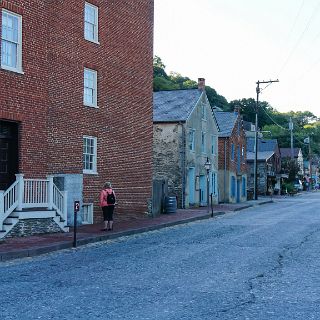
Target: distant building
232,157
268,165
185,135
297,156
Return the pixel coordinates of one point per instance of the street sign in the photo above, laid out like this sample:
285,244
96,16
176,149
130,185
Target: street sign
76,209
76,206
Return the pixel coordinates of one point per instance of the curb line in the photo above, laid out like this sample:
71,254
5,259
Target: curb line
25,253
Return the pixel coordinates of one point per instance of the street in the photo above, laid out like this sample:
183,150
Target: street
258,263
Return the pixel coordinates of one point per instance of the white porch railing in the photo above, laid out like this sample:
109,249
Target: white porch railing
32,193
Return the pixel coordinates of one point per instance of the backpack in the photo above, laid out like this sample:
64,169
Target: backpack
111,199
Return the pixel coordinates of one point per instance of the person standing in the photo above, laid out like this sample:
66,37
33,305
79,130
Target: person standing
107,203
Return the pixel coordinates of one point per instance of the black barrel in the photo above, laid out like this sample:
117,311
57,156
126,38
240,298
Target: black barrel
170,205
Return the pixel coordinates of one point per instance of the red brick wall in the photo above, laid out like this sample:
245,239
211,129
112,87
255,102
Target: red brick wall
49,96
237,140
23,97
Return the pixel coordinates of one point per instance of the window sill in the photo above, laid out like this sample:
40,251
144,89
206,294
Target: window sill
12,69
91,106
90,172
93,41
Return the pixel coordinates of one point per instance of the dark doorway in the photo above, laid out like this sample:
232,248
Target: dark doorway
8,153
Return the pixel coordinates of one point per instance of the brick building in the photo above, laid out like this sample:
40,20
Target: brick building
232,157
76,98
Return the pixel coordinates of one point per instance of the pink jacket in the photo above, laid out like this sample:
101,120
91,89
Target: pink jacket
103,197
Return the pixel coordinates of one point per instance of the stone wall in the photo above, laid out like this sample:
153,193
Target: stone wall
30,227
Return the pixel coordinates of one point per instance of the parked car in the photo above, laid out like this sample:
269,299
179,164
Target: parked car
297,184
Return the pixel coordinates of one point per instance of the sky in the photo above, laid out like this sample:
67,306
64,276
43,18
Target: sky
235,43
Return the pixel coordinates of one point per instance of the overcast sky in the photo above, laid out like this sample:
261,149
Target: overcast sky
235,43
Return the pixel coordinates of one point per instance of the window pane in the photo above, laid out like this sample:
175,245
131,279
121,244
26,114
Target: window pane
8,54
89,31
90,15
10,27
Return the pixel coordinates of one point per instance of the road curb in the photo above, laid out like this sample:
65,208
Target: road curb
25,253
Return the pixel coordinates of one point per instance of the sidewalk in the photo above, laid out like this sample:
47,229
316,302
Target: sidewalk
36,245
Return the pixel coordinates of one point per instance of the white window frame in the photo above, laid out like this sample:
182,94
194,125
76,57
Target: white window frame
94,88
18,68
93,170
95,37
192,139
87,210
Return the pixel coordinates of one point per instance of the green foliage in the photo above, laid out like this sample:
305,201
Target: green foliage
175,81
305,123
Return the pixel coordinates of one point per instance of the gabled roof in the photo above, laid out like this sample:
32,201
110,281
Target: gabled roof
226,122
286,152
263,155
175,105
263,145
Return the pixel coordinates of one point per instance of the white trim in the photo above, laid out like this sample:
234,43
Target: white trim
95,38
94,162
90,213
18,69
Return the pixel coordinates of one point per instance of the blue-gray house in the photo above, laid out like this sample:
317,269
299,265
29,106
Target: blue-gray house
185,137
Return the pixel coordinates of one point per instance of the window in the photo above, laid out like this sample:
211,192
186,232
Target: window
233,186
232,151
87,213
89,154
191,139
203,112
91,22
213,145
244,187
203,142
11,41
214,183
90,88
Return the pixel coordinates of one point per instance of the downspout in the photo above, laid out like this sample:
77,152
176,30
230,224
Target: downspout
183,164
225,170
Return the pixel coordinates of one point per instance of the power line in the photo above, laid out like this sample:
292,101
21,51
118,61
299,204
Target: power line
300,38
274,120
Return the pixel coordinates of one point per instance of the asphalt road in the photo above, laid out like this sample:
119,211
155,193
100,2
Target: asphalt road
259,263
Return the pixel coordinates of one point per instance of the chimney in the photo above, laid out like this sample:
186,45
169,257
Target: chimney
201,84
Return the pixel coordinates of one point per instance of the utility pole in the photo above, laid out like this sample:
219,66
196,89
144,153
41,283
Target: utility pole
255,167
291,135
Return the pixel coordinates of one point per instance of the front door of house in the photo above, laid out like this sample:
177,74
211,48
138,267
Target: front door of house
8,153
192,186
203,191
238,190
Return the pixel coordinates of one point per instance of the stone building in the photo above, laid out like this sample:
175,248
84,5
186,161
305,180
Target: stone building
268,165
232,157
185,136
71,115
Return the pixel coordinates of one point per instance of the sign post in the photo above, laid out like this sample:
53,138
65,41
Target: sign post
76,208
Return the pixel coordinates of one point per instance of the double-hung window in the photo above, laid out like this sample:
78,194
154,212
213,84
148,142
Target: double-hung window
11,41
90,88
213,145
191,139
91,22
203,142
232,151
89,154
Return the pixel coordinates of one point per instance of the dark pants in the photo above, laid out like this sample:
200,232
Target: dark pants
108,213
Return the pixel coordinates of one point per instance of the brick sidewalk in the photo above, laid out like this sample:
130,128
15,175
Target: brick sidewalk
14,248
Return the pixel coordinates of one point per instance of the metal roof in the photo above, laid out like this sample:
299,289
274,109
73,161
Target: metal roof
226,122
175,105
